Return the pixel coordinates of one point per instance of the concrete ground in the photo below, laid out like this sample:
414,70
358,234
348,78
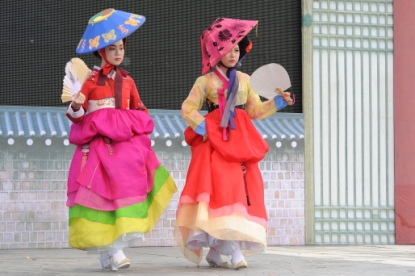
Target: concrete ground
281,260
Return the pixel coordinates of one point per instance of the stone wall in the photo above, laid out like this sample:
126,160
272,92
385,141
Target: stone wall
33,213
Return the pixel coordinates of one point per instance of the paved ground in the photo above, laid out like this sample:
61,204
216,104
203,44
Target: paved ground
281,260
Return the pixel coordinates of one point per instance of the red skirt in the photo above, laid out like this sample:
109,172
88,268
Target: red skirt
217,190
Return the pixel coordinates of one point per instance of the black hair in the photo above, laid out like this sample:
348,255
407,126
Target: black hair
97,55
242,45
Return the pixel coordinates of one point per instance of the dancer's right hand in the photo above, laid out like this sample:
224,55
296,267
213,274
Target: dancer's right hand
205,138
78,100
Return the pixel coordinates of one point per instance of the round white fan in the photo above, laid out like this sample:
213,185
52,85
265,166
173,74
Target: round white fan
76,73
267,78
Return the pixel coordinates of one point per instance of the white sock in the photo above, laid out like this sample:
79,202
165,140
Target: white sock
214,256
237,256
117,255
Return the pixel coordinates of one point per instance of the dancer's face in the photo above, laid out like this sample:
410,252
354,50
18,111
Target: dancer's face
231,58
115,53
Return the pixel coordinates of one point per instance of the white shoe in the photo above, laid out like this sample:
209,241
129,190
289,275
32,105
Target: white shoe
239,258
215,260
114,260
241,264
212,263
120,265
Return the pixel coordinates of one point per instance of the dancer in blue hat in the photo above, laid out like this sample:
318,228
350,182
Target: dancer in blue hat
117,188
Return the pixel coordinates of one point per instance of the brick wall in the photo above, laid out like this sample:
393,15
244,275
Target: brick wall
33,196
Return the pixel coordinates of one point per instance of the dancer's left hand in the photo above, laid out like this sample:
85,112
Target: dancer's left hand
286,96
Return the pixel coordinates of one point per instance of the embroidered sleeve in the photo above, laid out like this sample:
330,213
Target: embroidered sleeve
193,103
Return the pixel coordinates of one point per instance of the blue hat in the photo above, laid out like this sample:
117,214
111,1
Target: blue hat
106,27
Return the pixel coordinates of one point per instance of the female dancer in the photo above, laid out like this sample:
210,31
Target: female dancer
117,188
222,203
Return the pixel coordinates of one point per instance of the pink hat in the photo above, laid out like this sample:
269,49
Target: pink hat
220,37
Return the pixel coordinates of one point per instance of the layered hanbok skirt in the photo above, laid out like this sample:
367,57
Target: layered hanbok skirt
117,188
223,199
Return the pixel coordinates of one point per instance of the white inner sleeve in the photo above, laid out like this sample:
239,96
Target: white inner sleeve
75,114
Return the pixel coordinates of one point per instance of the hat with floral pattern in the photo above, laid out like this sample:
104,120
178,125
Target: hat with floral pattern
220,37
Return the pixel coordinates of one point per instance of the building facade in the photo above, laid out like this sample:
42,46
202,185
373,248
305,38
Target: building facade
348,86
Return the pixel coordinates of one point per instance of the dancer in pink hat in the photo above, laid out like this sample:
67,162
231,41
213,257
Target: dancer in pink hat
222,204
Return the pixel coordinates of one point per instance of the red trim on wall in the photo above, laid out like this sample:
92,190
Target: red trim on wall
404,119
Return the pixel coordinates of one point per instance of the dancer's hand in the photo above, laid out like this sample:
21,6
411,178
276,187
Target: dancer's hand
205,138
286,96
78,101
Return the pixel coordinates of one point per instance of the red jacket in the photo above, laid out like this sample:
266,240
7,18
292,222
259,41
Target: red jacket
93,91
